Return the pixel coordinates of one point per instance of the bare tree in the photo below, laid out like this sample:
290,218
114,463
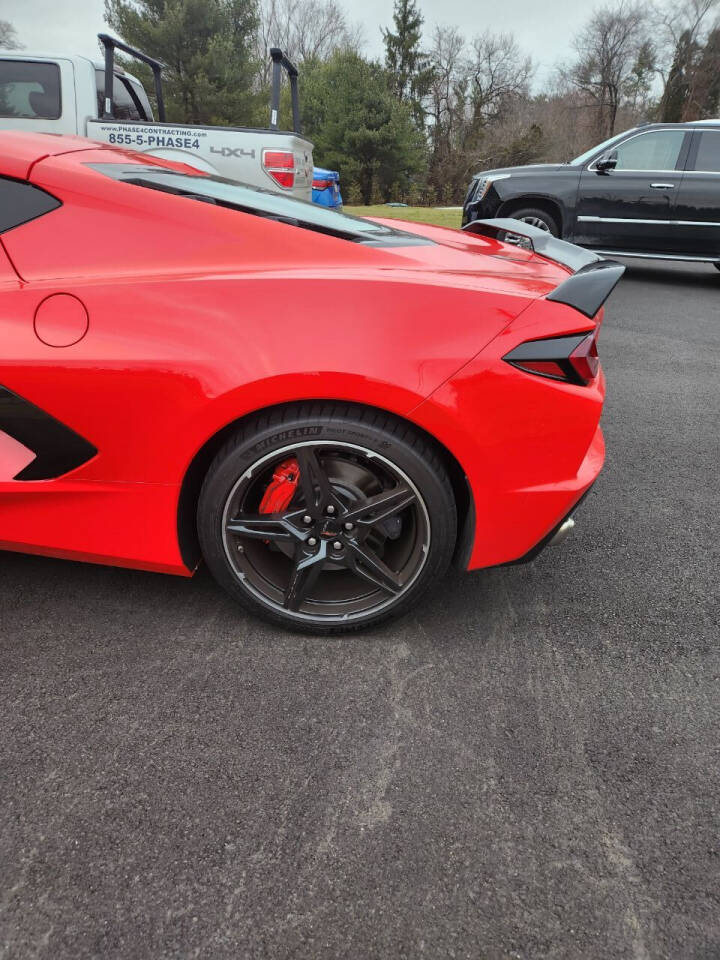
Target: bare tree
688,18
611,48
305,30
474,89
447,59
8,37
445,103
500,73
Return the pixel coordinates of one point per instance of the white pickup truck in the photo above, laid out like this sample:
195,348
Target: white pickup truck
72,94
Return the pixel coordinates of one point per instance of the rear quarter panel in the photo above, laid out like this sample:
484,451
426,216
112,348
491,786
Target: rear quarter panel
530,446
199,316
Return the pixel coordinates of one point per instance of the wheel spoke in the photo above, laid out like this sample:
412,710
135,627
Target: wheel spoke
304,576
314,482
265,526
381,506
367,565
321,556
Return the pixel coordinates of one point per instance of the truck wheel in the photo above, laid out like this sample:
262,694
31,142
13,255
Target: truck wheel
537,218
327,518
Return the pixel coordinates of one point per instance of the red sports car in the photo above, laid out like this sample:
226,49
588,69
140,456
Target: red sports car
328,410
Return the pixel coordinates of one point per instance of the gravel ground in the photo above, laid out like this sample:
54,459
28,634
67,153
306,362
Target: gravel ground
527,767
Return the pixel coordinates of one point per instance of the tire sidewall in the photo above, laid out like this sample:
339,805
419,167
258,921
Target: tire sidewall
415,459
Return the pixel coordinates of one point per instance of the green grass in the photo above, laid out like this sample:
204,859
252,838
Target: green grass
442,218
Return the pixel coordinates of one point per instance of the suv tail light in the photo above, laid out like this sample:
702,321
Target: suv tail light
280,165
572,359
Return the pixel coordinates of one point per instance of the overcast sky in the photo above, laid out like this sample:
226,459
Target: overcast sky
544,29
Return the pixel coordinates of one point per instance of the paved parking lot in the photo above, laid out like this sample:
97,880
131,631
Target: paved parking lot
527,767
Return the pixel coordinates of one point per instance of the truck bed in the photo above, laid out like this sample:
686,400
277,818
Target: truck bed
233,152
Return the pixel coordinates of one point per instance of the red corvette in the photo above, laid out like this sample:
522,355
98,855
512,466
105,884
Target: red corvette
328,410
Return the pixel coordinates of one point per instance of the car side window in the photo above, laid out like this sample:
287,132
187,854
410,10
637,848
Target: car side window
708,152
654,150
126,102
29,89
20,202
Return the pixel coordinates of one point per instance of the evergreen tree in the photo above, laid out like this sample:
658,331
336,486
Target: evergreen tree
692,91
206,46
677,88
707,85
410,69
359,127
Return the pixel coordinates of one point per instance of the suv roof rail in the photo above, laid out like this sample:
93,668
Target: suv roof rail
110,43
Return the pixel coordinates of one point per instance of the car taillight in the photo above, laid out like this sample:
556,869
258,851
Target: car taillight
572,359
322,184
280,164
585,359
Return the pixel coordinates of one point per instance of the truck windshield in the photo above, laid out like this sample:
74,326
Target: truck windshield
262,203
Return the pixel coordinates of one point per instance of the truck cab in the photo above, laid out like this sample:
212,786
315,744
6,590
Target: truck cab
69,94
56,93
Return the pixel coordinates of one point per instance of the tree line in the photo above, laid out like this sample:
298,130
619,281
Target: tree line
415,125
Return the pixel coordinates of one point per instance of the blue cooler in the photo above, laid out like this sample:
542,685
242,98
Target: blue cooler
326,188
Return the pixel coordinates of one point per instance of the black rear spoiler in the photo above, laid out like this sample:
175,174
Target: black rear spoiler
593,279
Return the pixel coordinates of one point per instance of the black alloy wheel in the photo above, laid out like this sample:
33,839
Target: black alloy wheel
365,523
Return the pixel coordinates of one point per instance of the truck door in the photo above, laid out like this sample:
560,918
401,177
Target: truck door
37,95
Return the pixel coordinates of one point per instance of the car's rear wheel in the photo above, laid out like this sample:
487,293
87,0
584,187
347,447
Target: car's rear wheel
537,218
326,518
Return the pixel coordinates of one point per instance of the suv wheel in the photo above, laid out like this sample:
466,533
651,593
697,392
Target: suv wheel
537,218
327,518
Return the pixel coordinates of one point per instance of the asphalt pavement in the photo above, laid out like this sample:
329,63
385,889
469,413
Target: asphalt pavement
527,767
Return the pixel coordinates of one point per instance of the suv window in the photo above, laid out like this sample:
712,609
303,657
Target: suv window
20,202
654,150
29,89
708,152
129,99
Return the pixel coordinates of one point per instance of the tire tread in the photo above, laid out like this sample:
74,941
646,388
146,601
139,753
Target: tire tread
328,412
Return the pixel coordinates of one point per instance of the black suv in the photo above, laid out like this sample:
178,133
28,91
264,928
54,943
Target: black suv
653,191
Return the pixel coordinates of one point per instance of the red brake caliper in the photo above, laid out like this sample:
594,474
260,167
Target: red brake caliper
282,487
